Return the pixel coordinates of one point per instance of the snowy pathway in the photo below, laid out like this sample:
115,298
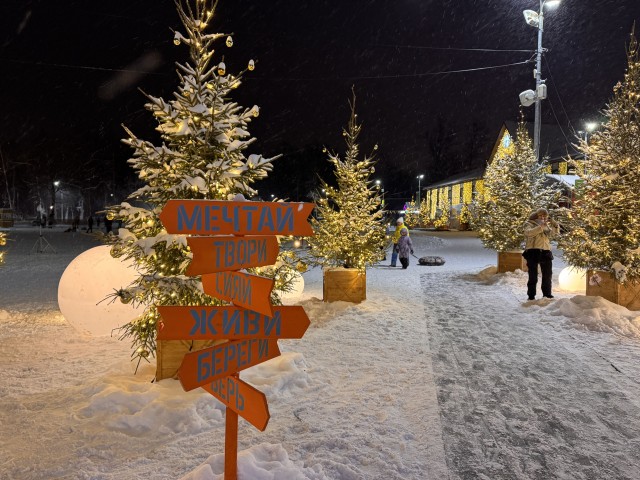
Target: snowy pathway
502,379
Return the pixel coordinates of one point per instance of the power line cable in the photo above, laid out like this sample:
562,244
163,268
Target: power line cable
546,62
82,67
408,75
418,47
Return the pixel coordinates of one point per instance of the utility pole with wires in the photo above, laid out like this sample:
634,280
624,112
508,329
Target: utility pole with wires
528,97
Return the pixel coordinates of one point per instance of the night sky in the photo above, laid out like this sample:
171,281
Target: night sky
72,70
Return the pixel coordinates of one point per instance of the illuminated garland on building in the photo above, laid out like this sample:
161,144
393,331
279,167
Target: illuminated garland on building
605,221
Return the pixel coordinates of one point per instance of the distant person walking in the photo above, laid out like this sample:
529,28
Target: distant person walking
537,252
90,224
405,246
107,224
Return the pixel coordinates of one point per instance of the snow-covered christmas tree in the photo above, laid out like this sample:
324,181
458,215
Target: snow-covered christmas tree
3,242
349,228
412,215
424,216
444,217
514,186
605,220
200,156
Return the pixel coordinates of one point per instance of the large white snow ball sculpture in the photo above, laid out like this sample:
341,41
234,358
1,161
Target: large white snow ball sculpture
297,284
573,279
84,285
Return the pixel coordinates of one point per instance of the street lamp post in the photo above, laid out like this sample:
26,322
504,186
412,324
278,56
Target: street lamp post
419,177
536,19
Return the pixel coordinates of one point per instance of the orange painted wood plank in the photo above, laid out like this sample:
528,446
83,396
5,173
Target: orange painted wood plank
217,254
244,399
217,217
230,322
230,445
244,290
209,364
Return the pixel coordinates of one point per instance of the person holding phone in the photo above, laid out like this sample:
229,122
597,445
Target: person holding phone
538,230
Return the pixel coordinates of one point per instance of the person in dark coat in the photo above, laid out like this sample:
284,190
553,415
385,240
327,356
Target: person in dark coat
537,252
90,224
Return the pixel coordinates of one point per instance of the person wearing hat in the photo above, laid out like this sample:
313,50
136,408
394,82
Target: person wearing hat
537,251
396,236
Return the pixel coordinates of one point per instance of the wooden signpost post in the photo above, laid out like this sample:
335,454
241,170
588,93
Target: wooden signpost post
238,235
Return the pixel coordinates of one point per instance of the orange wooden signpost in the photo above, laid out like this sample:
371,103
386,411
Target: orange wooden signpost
217,217
247,291
218,254
247,401
251,325
231,323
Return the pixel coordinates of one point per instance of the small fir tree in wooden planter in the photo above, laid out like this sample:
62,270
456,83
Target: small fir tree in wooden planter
348,226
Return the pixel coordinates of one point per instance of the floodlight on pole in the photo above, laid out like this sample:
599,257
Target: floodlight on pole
419,177
536,20
379,185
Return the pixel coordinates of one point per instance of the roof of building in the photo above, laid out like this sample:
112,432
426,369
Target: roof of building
554,144
474,174
568,180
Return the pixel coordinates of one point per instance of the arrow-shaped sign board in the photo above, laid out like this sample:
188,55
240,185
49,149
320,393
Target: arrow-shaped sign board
217,254
230,322
209,364
242,398
217,217
244,290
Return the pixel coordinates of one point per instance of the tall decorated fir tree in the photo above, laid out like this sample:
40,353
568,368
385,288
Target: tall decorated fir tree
200,156
605,219
514,186
349,228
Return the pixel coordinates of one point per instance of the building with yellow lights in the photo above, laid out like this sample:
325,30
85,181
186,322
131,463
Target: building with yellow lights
463,188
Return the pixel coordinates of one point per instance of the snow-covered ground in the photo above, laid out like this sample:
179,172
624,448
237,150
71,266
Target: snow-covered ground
442,373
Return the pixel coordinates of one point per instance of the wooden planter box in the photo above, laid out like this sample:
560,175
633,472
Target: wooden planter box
169,354
344,284
607,287
510,261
